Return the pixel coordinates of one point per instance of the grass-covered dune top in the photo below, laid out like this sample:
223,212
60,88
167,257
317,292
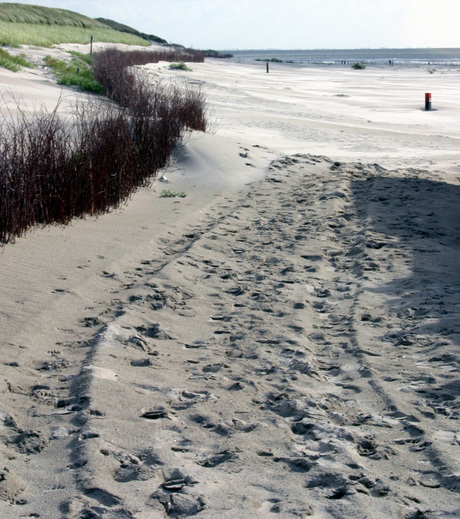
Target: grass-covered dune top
23,24
125,28
24,13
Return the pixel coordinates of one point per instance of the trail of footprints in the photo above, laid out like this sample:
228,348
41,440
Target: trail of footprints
313,398
282,394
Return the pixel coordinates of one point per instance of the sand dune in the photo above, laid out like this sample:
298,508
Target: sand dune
283,341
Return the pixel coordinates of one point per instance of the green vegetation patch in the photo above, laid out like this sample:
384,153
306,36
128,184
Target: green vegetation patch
13,63
166,193
86,58
129,30
179,66
37,15
15,34
23,24
358,66
78,72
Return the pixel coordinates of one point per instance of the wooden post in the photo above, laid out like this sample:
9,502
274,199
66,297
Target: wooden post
91,46
268,67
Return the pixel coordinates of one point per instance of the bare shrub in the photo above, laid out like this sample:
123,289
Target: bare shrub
32,152
53,169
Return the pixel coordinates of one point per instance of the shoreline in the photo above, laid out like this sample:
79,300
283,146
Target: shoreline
380,64
403,57
283,340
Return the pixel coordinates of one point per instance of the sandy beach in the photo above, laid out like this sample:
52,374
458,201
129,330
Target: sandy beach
283,341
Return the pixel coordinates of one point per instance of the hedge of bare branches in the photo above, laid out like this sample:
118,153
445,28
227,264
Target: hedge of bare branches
53,168
112,68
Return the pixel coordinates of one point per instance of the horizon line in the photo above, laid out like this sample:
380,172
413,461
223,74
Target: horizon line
334,48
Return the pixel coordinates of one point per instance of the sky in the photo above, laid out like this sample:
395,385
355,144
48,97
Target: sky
282,24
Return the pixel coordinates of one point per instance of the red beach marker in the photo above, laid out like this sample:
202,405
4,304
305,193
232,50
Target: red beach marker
427,102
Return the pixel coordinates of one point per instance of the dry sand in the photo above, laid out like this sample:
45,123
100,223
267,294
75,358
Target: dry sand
282,342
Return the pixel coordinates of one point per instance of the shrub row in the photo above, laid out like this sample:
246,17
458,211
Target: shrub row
54,168
111,66
168,108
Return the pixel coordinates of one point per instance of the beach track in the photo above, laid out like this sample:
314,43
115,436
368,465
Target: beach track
295,354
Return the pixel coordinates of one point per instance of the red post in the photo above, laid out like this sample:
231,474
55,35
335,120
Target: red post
427,102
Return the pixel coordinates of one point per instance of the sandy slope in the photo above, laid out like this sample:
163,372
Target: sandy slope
281,342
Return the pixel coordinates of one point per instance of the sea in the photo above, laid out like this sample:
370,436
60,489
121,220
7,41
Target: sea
412,56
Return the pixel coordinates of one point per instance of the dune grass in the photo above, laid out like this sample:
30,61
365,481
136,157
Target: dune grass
125,28
179,66
14,34
166,193
34,14
22,24
78,72
13,63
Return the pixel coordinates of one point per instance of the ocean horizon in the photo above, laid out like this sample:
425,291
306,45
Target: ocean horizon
410,56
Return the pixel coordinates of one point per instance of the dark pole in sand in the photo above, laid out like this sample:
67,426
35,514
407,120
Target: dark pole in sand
427,102
267,67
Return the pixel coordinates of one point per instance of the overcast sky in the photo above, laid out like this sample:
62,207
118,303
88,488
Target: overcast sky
283,24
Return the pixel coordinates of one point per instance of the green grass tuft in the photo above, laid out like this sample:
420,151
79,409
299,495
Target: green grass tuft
86,58
166,193
179,66
76,73
13,63
358,66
